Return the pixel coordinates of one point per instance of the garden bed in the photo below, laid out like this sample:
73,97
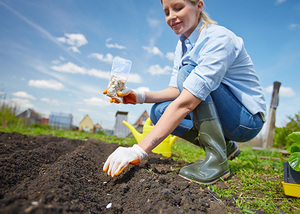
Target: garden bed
46,174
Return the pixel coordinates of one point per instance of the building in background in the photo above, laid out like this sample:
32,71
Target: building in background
86,124
97,128
45,121
30,117
61,120
141,121
120,130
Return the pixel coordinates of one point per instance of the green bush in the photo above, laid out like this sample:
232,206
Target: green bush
281,139
8,116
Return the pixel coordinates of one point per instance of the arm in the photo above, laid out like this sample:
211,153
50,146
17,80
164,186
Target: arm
171,118
167,94
131,96
174,114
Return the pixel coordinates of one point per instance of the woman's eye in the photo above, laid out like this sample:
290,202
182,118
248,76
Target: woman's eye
178,9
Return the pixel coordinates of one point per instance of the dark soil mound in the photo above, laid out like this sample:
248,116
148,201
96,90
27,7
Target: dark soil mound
46,174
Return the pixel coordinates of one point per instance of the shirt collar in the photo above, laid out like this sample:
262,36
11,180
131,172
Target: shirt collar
194,35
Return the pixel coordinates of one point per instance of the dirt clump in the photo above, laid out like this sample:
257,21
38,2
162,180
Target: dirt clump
46,174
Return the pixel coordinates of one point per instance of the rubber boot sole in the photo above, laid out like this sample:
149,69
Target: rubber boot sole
224,177
234,154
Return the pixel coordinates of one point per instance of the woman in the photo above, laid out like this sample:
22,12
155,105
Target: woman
214,96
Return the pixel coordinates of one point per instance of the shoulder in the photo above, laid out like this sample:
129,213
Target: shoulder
219,33
216,30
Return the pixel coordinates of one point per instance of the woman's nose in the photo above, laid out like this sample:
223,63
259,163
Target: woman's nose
171,18
173,15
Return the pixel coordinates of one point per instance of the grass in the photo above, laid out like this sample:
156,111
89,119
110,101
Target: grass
255,183
256,179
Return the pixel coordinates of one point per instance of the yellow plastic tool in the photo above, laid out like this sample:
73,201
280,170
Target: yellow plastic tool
163,148
291,189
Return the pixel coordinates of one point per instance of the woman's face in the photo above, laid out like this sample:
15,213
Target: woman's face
182,16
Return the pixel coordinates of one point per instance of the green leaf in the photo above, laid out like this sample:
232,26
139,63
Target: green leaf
294,161
295,137
295,147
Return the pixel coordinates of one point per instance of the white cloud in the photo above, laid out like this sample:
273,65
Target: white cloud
74,49
157,70
156,51
108,58
136,78
96,101
69,68
115,45
75,69
55,62
294,26
280,1
154,23
47,84
170,56
143,89
98,73
88,89
23,103
283,91
74,41
50,101
153,50
287,92
77,40
23,95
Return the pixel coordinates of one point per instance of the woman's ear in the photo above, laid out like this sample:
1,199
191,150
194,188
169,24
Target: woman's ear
200,5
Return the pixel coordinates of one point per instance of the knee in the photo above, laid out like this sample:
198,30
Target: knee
157,111
154,116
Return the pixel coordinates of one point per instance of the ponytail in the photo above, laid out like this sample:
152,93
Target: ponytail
206,20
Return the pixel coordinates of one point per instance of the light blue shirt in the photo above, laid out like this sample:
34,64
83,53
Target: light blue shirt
218,56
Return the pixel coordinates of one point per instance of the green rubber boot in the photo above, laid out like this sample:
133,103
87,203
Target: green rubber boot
192,136
232,150
215,166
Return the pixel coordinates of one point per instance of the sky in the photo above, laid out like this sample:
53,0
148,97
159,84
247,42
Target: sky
56,56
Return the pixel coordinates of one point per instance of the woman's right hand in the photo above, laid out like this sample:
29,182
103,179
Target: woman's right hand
131,96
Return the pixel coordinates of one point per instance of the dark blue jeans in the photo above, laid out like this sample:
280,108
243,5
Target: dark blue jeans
237,122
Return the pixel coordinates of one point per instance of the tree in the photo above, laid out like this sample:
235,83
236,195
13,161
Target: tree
281,139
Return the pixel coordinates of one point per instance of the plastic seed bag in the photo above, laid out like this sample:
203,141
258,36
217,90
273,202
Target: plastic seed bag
119,75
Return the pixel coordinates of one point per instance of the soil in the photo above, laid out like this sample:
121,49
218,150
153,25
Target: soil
46,174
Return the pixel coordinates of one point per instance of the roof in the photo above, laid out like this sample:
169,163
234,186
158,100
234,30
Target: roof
98,126
86,117
140,121
121,112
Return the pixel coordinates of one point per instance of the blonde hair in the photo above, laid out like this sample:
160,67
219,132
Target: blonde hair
203,16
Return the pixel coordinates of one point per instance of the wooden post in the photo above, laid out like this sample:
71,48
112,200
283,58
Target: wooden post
269,135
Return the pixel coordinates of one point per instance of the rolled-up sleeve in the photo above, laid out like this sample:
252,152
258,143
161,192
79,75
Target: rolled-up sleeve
173,80
213,56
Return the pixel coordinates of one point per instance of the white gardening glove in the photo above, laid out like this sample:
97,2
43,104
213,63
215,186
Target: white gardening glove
121,157
131,96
